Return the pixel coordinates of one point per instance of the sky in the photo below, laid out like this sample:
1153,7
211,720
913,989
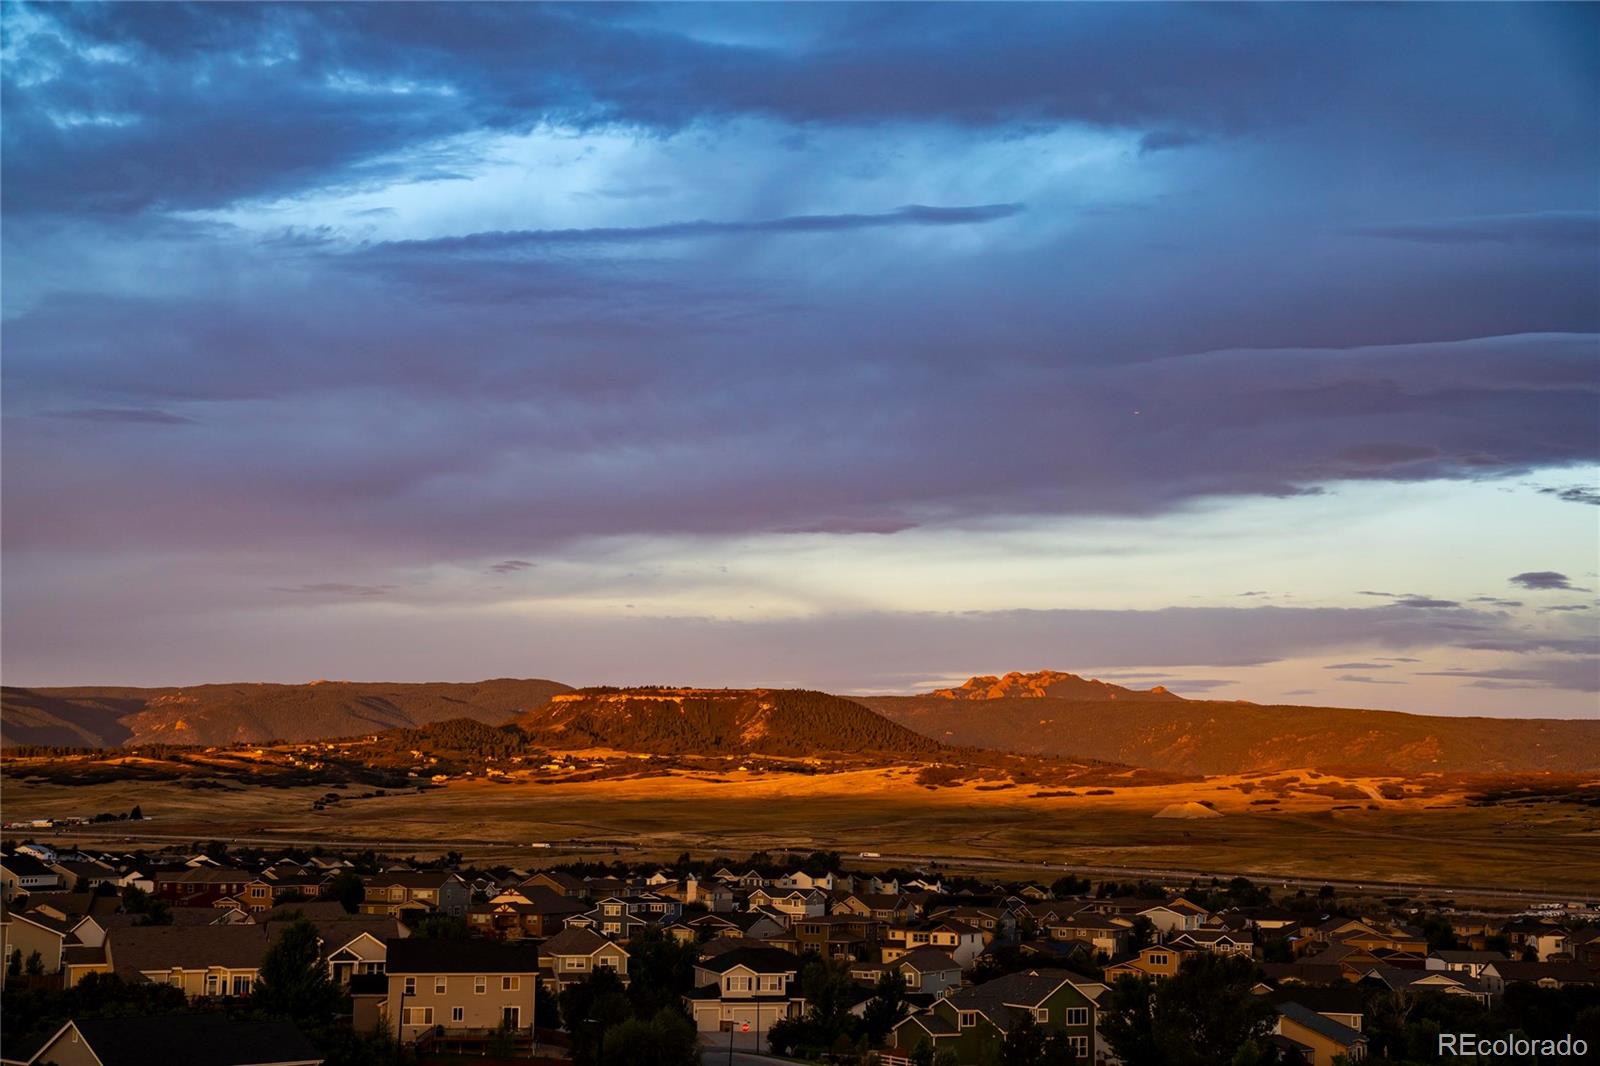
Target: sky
1248,350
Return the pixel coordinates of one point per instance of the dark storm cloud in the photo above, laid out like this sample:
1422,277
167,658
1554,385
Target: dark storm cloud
508,240
1359,666
1541,579
1411,599
511,566
1575,494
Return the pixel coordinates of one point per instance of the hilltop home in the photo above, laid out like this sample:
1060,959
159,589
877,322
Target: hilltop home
469,987
573,955
1157,962
190,1039
972,1022
749,985
416,891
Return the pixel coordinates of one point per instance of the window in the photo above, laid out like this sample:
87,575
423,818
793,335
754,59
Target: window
1159,960
1080,1046
511,1017
457,1013
242,984
417,1016
480,985
969,1018
1077,1015
572,962
211,984
510,984
1041,1014
411,986
438,986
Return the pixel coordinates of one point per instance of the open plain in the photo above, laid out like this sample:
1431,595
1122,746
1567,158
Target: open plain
1298,825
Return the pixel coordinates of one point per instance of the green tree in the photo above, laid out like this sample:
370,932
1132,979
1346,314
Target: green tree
34,967
1142,934
886,1007
661,970
1202,1016
293,981
14,963
665,1039
347,889
589,1010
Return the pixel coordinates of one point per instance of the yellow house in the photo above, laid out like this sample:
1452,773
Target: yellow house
466,987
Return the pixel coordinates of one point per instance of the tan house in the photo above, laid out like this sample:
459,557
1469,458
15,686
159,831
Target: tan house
572,955
747,986
50,934
468,987
203,960
1321,1040
1157,962
957,939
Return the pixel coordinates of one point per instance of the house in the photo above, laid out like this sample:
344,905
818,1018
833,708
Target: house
83,875
1471,963
49,933
530,911
1106,935
839,936
191,1039
572,955
995,923
928,972
792,903
1217,941
1157,962
1544,938
956,938
1497,975
753,986
469,987
1328,1041
200,886
1397,979
1342,1003
203,960
1178,916
889,909
21,874
971,1022
353,948
416,891
750,924
559,882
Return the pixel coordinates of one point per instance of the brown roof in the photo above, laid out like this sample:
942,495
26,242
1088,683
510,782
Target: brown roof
145,948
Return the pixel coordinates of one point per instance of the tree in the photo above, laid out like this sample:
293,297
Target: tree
1069,885
155,911
293,981
666,1039
589,1009
1142,934
661,969
1202,1016
137,814
34,967
347,889
14,963
886,1007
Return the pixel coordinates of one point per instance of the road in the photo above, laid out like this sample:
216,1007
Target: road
714,1051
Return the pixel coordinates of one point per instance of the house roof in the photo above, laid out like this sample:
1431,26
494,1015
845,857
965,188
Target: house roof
148,948
575,942
1567,973
761,960
195,1040
1342,1035
1027,988
928,960
413,955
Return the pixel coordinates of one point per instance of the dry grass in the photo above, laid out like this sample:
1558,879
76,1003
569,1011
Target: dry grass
1431,836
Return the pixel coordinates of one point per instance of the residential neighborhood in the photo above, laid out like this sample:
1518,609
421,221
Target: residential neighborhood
806,959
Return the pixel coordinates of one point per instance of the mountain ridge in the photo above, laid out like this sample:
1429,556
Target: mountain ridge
1041,684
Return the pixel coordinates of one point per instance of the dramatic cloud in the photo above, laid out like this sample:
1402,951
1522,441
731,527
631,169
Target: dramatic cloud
413,294
1541,579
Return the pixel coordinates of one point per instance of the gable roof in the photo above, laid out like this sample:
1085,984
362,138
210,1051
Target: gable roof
194,1040
761,960
576,941
149,948
1342,1035
421,956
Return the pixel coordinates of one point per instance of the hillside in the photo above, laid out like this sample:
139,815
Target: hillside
1214,737
223,714
677,721
1047,683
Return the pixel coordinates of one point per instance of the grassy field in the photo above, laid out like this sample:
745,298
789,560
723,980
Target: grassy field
1433,838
